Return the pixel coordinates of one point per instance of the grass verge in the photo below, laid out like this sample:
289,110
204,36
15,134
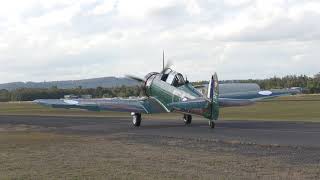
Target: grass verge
290,108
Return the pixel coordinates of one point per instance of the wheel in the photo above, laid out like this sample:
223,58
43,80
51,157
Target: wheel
136,119
187,119
212,124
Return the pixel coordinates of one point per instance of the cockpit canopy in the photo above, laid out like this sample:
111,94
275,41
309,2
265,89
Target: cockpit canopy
173,78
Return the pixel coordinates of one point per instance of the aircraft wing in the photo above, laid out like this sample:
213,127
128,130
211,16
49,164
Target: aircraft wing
139,105
247,98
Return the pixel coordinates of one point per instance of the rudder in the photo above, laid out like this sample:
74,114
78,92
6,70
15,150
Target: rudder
213,95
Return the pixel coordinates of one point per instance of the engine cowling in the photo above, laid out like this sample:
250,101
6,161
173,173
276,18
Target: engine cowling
149,79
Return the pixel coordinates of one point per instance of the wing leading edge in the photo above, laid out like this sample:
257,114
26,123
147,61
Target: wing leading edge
248,98
143,105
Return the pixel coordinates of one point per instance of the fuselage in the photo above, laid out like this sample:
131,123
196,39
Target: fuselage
170,88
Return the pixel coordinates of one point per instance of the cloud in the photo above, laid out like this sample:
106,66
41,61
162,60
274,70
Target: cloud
288,23
104,8
58,39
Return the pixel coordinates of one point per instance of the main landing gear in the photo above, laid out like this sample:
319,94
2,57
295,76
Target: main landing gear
136,119
212,124
187,119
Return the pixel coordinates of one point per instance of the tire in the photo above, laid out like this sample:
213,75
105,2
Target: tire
136,119
212,124
187,119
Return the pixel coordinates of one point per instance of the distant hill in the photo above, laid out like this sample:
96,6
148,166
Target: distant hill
106,82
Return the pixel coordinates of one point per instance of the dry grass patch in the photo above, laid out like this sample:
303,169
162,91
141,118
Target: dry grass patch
53,156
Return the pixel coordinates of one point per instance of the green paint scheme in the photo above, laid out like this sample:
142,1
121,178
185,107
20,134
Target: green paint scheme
168,91
183,98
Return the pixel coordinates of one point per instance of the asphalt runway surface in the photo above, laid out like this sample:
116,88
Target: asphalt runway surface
279,133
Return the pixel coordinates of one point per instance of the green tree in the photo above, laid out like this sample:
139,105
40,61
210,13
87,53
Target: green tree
4,95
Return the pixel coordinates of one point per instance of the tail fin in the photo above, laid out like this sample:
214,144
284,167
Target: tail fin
213,95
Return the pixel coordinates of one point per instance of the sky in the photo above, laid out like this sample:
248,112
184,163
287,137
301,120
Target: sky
239,39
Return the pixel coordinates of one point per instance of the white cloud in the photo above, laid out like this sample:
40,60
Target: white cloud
236,3
297,12
141,8
193,7
54,18
58,39
104,8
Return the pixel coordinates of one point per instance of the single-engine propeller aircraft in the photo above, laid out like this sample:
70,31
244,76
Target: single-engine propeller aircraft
168,91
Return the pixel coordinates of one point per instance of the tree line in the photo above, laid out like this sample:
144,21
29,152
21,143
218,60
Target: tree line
30,94
309,84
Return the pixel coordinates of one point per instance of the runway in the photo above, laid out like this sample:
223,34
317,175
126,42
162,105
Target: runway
279,133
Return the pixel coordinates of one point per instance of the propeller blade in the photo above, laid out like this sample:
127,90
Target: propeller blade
135,78
141,86
167,66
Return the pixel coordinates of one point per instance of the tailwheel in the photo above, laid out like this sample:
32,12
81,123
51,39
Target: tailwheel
136,119
212,124
187,119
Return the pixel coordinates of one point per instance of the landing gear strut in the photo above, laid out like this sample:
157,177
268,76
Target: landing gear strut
187,119
212,124
136,119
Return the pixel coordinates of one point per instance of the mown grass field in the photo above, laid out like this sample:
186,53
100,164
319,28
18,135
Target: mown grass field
292,108
40,152
38,155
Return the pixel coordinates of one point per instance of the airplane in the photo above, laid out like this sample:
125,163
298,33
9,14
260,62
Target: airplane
168,91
